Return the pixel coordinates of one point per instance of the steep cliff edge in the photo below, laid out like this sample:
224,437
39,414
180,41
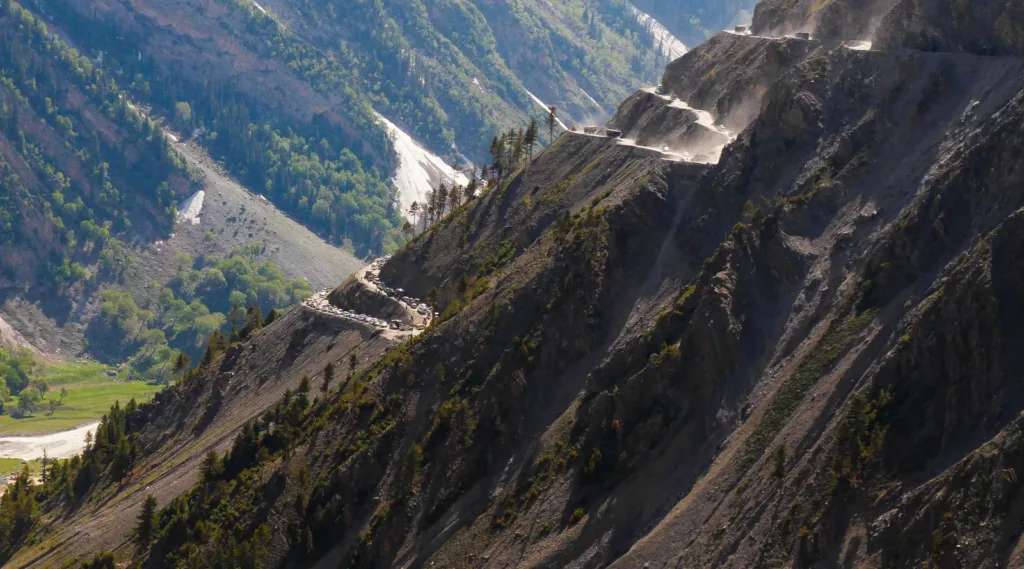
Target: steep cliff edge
801,355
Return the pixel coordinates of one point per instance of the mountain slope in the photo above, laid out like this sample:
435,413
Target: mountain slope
237,217
91,231
449,74
800,355
79,165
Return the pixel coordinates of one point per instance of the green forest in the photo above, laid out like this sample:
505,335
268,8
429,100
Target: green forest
111,454
113,451
73,184
207,295
16,381
84,173
336,185
448,73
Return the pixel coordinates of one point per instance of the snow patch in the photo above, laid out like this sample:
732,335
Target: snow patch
64,444
544,106
190,209
591,99
671,47
419,170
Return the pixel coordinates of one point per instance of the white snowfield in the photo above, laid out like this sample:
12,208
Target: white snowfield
64,444
671,47
419,170
190,209
544,106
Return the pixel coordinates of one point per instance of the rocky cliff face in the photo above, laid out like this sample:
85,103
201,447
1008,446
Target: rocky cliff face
986,28
10,338
802,355
834,19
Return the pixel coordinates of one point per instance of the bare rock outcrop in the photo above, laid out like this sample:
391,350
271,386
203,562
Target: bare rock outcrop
11,338
983,27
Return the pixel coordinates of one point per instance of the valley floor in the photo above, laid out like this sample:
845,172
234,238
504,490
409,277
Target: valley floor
90,393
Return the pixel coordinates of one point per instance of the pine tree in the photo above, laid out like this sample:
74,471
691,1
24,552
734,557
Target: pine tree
552,120
353,361
181,365
431,208
328,376
442,200
145,529
518,143
122,463
273,315
509,145
496,153
235,318
212,468
253,322
456,197
414,211
530,138
214,347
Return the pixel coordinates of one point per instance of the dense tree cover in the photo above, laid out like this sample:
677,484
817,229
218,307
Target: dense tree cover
19,510
230,486
448,72
15,371
458,67
112,452
205,296
20,392
109,455
333,182
82,159
307,172
209,525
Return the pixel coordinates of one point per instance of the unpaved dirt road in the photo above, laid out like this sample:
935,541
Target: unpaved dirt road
318,303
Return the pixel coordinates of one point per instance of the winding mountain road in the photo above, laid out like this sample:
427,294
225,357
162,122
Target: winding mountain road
366,276
704,118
